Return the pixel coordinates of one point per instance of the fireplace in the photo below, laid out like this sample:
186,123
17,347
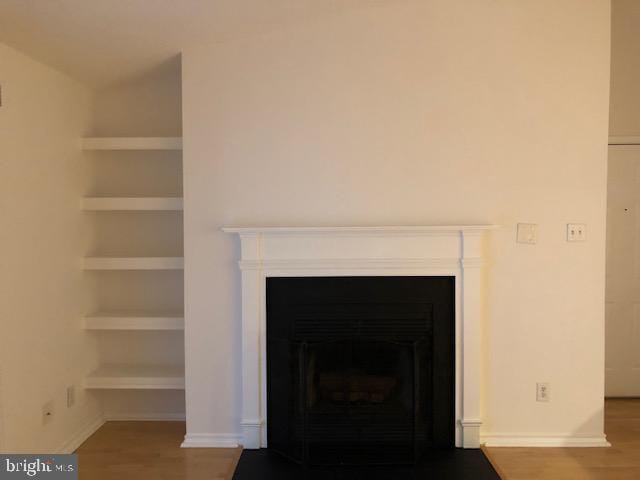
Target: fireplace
360,370
273,254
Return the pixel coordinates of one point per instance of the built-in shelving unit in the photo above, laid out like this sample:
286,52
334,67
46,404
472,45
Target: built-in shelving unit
132,143
146,377
132,203
122,224
134,321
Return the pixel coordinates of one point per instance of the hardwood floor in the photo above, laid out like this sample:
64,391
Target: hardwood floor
151,450
621,461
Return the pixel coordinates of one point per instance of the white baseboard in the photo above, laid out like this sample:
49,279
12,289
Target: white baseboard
507,440
211,440
144,417
79,437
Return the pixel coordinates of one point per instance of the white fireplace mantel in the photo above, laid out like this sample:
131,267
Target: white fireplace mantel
452,250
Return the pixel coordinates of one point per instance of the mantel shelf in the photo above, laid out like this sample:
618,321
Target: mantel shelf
385,230
132,203
132,143
143,377
133,263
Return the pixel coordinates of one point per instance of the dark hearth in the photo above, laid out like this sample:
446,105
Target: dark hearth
360,370
439,464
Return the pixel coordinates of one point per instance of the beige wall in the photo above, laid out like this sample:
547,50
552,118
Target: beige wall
623,205
42,345
420,112
149,105
625,68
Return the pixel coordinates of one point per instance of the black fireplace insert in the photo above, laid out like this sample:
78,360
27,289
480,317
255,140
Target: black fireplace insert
360,370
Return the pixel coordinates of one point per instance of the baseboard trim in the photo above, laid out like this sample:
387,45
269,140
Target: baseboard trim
81,435
544,441
144,417
211,440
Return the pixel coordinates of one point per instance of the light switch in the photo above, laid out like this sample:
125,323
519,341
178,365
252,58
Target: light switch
576,232
527,233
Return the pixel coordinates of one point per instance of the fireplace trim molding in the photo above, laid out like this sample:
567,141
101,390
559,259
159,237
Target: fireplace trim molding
456,251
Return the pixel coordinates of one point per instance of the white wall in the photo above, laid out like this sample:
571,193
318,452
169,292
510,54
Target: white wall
42,345
419,112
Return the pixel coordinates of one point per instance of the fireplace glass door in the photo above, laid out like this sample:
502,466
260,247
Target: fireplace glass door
351,365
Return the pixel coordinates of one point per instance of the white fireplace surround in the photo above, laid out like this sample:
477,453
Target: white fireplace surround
455,251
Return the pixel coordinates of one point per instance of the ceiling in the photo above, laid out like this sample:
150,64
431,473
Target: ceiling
101,42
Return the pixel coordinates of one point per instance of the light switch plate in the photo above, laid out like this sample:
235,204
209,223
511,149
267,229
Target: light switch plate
527,233
576,232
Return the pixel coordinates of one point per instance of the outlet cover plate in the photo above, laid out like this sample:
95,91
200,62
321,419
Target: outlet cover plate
47,412
542,392
71,396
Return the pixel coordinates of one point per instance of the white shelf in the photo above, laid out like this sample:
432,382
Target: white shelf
132,143
111,321
143,377
133,263
131,203
624,140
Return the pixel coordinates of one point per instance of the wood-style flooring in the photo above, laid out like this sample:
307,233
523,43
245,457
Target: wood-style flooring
151,450
621,461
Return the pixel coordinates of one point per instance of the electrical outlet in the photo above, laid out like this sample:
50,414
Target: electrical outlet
47,412
542,392
576,232
527,233
71,396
